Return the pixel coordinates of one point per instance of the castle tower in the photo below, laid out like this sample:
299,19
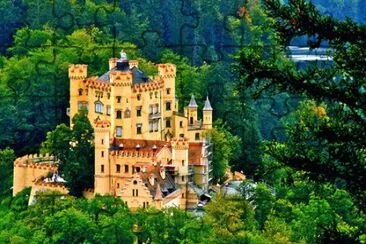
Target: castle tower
207,115
102,165
192,111
180,161
77,73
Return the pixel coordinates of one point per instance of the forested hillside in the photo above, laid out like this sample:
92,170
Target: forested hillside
299,133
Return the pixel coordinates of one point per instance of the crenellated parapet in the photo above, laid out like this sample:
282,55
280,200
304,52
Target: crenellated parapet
167,70
148,86
119,79
36,161
93,83
180,143
78,71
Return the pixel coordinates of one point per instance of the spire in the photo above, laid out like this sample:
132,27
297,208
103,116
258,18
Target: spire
158,194
207,105
192,103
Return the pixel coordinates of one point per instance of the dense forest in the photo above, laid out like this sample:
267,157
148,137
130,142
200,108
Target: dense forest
299,133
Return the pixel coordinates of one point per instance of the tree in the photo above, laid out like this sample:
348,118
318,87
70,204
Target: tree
226,148
7,158
75,150
334,134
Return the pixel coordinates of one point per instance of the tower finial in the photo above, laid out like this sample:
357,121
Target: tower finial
192,102
207,105
123,56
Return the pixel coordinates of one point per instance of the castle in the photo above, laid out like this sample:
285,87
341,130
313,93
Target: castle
146,151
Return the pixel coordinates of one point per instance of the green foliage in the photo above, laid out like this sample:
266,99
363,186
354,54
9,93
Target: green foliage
226,148
75,150
7,158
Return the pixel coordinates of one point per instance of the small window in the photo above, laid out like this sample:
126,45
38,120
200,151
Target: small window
102,168
118,98
117,185
138,128
181,135
102,154
151,109
102,141
151,95
118,168
168,106
137,192
99,107
182,195
82,105
183,178
168,91
156,125
138,111
127,113
126,168
138,97
108,110
167,123
137,169
182,162
108,95
150,126
197,136
118,114
156,94
191,120
181,124
80,92
118,131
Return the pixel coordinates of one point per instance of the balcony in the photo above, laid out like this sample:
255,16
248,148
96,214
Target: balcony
155,116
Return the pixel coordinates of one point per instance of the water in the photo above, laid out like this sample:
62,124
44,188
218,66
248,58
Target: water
304,54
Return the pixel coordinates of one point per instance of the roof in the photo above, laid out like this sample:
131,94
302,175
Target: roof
162,187
192,102
138,76
207,105
194,153
144,144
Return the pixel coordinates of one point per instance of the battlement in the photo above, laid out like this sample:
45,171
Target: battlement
78,71
98,85
167,70
180,143
36,161
102,124
119,78
149,86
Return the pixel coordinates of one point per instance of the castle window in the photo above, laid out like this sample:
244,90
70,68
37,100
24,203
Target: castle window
80,92
98,107
183,178
191,120
117,185
182,195
108,95
108,110
168,91
150,126
118,98
102,141
102,168
182,162
118,168
156,109
82,105
135,182
127,113
150,109
167,123
137,192
119,131
126,168
102,154
86,92
197,136
138,97
156,125
156,94
168,106
138,129
138,111
181,135
151,95
118,114
181,124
